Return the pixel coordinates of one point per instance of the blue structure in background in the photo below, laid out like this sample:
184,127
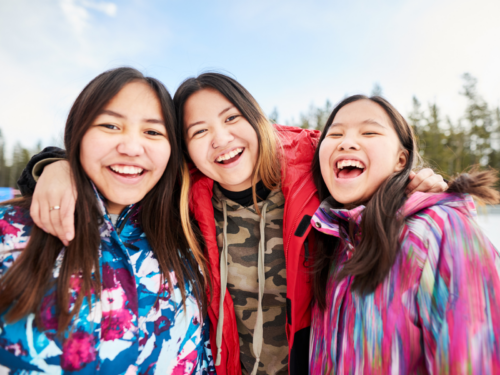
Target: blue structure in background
6,193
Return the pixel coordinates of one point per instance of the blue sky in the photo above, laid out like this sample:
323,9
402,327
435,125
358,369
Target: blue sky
289,54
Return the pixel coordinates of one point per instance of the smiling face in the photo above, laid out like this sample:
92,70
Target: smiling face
360,151
220,141
126,150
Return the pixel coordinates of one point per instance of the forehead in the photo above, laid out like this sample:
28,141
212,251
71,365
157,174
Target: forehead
205,102
360,111
135,92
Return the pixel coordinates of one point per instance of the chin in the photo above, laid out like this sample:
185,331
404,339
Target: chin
125,200
350,202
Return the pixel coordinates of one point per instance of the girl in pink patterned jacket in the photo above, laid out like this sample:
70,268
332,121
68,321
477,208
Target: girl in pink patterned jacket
402,285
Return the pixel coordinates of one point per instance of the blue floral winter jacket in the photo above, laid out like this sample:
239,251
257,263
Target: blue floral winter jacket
130,330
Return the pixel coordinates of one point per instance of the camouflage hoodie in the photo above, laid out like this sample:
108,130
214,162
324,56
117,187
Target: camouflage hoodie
246,231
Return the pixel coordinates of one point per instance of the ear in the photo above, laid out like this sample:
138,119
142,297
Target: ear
401,161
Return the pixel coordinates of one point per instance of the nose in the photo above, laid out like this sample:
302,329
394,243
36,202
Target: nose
222,137
348,143
130,145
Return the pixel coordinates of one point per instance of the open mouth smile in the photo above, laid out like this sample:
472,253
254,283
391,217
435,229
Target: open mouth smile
127,171
230,157
349,168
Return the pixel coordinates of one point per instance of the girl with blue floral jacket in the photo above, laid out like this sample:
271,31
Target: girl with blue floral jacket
126,295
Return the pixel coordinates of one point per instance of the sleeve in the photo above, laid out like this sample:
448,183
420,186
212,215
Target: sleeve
458,297
14,235
206,364
27,181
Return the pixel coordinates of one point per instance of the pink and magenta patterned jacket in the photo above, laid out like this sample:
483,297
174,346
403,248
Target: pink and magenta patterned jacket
438,310
130,330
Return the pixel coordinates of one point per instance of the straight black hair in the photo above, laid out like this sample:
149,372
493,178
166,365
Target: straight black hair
26,282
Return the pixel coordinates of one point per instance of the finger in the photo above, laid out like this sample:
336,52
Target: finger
68,216
421,176
412,175
426,186
35,214
438,184
55,218
45,217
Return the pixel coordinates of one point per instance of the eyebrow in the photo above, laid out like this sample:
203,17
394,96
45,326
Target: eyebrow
225,110
202,122
110,113
118,115
373,122
366,122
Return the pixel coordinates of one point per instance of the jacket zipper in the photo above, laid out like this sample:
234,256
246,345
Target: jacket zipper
296,219
124,221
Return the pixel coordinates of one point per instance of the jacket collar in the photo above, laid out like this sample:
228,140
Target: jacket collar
107,227
327,219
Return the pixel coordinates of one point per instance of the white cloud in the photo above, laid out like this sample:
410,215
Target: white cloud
78,15
108,9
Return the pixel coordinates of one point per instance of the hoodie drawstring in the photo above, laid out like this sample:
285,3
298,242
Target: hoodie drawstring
223,286
258,331
258,335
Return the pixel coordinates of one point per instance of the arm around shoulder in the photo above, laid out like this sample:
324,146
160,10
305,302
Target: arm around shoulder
34,168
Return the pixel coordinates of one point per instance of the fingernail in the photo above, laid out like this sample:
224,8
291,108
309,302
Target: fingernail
69,236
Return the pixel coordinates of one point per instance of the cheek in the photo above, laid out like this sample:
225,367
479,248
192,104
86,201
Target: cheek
383,158
160,157
198,151
246,134
326,150
92,149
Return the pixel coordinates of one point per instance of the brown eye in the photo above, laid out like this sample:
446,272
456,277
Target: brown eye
199,132
152,132
109,126
232,118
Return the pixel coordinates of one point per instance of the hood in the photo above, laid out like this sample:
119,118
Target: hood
420,201
326,219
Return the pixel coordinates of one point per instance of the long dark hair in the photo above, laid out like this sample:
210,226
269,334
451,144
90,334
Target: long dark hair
381,223
268,163
26,282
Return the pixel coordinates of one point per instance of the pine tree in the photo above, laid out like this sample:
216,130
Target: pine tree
20,158
4,169
274,116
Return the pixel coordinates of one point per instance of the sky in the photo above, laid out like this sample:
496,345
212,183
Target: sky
289,54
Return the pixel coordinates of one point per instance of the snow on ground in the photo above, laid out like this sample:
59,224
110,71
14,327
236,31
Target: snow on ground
490,223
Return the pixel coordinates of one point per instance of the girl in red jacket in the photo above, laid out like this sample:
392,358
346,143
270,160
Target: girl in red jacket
253,197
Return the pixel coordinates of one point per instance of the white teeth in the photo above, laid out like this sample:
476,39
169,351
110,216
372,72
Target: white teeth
229,155
126,169
350,163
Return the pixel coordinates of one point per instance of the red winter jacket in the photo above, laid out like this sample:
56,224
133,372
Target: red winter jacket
301,201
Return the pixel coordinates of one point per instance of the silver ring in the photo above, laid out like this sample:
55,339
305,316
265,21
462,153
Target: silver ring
54,208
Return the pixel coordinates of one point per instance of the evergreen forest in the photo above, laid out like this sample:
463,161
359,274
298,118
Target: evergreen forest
449,147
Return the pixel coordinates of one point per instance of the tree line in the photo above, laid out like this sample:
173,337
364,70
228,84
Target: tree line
448,146
10,170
